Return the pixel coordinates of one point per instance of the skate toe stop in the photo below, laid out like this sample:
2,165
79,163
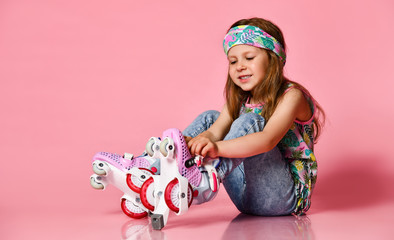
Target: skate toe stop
157,221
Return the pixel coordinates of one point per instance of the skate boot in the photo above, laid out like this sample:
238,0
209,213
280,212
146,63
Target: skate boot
201,175
179,182
127,174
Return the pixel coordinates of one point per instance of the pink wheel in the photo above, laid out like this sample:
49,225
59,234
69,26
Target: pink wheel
146,194
135,182
132,210
171,195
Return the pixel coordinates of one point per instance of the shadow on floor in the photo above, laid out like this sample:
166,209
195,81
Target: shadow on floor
358,181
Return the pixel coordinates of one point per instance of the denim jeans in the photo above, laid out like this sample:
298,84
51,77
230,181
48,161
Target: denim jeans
257,185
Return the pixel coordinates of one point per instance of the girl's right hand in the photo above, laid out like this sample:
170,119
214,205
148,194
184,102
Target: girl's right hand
197,144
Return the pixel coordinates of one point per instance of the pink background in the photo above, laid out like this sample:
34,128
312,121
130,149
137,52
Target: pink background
78,77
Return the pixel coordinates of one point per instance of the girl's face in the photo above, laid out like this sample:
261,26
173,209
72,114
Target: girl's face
247,66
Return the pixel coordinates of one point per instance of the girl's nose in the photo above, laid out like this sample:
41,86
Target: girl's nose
240,66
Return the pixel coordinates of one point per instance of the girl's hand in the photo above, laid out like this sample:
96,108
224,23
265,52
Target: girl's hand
210,150
187,138
203,145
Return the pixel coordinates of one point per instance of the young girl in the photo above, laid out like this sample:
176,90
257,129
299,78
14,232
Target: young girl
263,138
261,144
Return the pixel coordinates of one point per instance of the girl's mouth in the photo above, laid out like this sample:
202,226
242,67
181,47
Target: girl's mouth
244,78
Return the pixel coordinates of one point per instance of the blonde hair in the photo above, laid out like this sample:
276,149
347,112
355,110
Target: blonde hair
274,85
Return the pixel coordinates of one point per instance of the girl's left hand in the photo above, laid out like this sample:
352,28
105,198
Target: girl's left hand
210,150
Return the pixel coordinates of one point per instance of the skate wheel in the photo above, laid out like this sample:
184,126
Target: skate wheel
149,147
95,184
172,198
132,210
165,147
100,168
146,194
135,182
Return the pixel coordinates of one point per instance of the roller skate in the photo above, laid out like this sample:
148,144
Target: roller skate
182,179
165,178
127,174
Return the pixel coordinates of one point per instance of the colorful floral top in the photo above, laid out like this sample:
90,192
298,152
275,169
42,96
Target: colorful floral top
297,147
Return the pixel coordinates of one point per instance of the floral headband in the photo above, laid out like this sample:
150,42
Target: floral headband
253,36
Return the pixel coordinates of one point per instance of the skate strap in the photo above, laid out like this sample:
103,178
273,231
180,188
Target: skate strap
212,176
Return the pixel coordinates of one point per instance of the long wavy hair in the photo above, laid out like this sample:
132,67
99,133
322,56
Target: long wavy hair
271,89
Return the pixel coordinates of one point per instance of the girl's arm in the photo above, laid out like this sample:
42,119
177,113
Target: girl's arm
292,106
215,133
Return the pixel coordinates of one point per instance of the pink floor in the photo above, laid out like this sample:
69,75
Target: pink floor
98,216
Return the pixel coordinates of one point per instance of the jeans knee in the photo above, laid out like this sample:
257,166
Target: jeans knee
209,116
246,124
201,123
210,113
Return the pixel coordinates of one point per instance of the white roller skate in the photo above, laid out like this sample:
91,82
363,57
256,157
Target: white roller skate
127,174
180,180
165,178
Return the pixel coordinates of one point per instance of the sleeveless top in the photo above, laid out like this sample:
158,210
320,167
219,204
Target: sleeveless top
297,148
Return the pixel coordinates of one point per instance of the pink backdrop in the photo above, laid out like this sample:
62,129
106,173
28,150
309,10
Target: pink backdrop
77,77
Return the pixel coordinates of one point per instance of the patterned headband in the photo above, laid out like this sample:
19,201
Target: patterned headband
253,36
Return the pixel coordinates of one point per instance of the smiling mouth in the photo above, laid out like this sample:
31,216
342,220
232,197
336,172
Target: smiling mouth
244,77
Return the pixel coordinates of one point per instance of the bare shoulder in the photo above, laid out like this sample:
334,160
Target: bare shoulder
294,94
296,98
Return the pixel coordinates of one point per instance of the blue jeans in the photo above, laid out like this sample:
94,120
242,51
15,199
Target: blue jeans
257,185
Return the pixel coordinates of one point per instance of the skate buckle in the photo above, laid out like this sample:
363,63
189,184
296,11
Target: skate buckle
128,156
197,160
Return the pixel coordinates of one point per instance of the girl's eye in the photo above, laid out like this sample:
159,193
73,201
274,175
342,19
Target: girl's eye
249,58
232,62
